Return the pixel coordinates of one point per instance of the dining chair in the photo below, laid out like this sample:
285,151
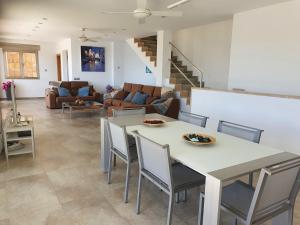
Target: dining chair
128,111
120,147
241,131
193,118
270,198
155,165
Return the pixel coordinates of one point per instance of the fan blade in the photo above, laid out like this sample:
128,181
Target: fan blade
91,40
177,4
142,21
107,12
166,13
142,4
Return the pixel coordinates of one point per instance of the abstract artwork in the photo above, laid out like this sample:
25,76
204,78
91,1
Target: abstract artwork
92,59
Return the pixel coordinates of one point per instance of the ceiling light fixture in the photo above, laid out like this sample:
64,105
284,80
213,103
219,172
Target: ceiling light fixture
33,29
40,23
177,4
37,27
44,18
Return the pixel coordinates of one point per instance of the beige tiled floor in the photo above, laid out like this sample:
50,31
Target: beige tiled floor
64,186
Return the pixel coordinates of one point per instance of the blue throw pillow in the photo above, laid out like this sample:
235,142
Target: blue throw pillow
63,92
84,91
129,97
139,98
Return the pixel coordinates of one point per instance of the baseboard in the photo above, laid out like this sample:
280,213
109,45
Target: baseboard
23,98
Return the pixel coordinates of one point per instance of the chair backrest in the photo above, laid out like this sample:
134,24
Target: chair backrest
128,112
118,138
193,118
276,190
154,159
240,131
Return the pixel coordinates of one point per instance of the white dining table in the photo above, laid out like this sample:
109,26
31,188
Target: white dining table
227,159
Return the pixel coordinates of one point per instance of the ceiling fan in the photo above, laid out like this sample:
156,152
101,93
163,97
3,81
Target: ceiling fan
84,38
142,11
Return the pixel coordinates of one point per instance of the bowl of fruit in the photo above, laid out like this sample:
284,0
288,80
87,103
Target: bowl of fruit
154,122
199,139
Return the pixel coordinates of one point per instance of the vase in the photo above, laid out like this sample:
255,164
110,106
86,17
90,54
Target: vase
8,93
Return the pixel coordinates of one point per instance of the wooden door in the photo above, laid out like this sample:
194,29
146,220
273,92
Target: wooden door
58,63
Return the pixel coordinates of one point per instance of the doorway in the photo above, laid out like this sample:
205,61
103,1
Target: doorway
58,63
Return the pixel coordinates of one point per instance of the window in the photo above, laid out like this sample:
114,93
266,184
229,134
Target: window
21,61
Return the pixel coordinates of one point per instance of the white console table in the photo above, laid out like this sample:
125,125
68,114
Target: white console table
11,133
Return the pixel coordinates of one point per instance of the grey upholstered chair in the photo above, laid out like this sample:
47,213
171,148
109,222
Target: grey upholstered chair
155,165
128,111
120,147
270,198
193,118
241,131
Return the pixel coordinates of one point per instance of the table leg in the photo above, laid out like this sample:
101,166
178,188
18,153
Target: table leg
33,143
5,145
212,202
104,147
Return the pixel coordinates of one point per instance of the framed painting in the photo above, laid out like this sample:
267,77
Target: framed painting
92,59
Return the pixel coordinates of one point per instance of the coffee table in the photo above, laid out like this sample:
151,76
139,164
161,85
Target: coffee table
88,106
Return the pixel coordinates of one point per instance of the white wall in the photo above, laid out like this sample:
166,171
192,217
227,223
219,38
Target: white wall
266,48
98,79
133,69
48,71
208,47
278,117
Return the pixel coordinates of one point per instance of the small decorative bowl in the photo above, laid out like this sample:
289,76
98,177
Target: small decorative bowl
199,139
154,122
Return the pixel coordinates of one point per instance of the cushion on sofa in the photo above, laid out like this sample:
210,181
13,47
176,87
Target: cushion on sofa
150,99
136,87
63,92
139,98
148,89
121,95
127,87
129,97
163,107
83,91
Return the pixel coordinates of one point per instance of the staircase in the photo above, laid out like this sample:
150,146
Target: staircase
148,45
182,85
181,79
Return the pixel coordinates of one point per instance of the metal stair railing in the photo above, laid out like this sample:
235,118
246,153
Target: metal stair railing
190,62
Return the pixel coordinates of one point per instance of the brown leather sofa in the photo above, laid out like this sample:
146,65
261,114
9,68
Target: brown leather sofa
54,101
153,93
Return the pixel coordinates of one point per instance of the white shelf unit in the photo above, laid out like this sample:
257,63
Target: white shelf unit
11,133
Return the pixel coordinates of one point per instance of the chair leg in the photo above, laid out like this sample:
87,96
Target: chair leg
109,166
235,221
251,179
201,208
177,197
170,209
184,195
127,182
138,200
115,160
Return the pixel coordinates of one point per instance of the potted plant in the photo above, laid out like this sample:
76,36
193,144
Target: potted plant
6,86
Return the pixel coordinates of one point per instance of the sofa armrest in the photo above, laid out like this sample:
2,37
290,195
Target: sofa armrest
50,97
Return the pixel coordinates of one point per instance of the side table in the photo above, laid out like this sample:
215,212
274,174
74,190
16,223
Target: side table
24,131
